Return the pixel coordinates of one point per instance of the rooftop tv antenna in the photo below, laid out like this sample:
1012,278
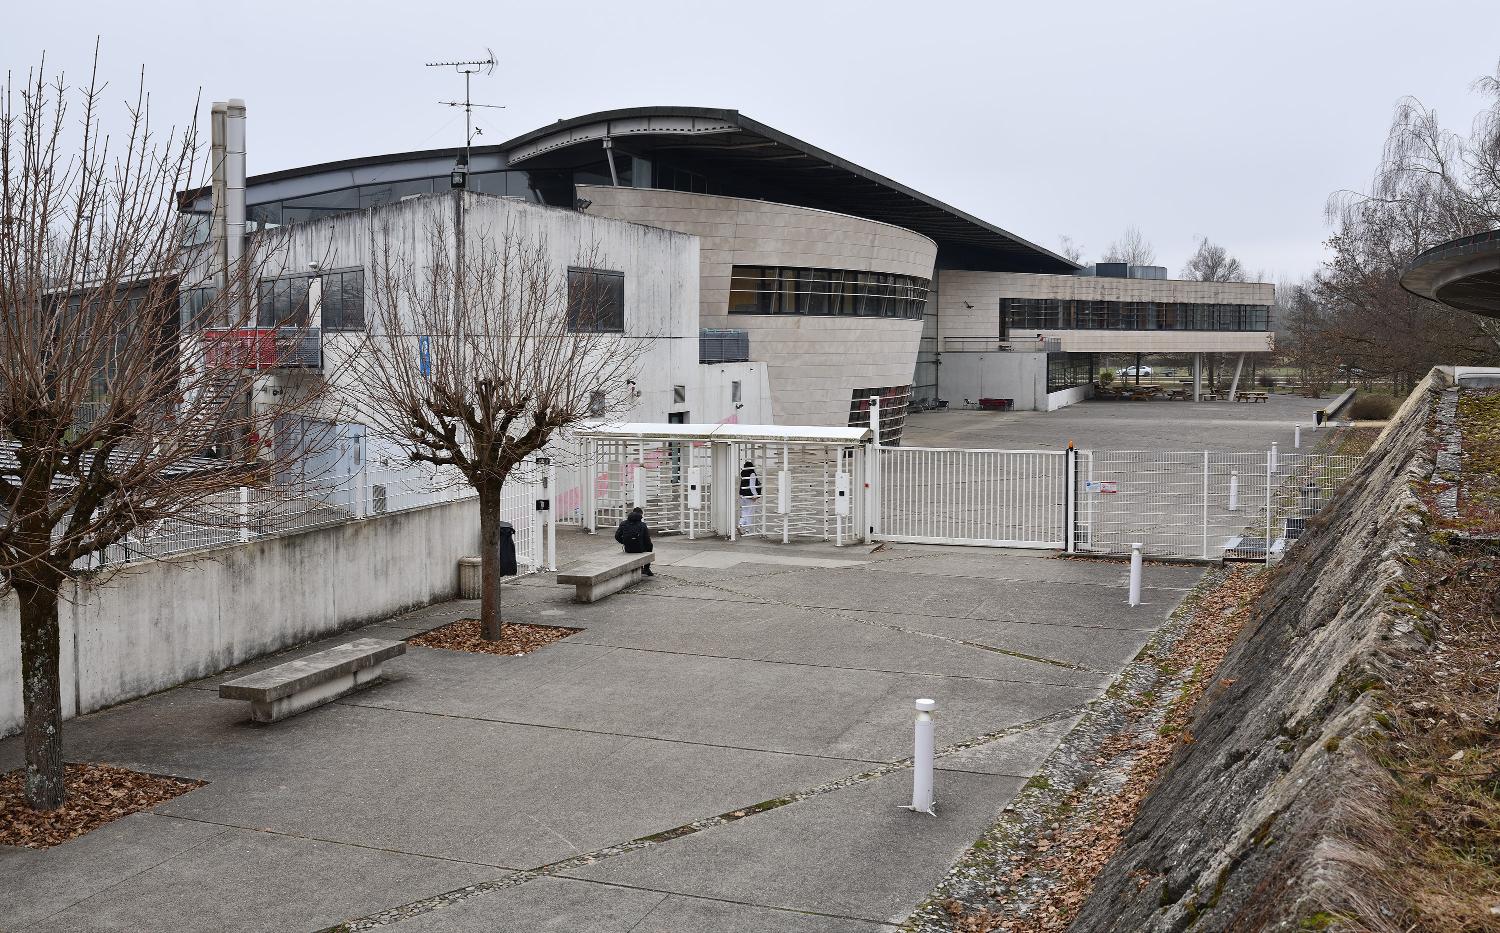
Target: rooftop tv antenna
468,69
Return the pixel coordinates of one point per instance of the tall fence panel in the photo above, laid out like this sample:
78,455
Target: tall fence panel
998,498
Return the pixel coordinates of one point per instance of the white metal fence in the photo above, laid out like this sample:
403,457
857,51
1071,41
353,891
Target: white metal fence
254,513
1000,498
1202,504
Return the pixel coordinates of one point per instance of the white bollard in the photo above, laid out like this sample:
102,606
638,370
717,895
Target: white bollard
1297,436
1135,574
1234,490
1273,456
922,798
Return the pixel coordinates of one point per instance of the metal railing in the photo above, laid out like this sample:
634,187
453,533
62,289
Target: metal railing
263,347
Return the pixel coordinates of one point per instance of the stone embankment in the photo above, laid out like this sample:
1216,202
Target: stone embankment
1283,811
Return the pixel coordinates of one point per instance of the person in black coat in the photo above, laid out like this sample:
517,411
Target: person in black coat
636,537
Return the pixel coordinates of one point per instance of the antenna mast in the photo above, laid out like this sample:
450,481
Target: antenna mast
468,69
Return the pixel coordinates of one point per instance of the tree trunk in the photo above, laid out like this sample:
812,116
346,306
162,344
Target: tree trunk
490,622
42,696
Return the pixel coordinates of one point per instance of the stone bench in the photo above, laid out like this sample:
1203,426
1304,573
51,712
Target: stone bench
287,689
598,577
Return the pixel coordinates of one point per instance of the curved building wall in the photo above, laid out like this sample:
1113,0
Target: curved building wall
817,362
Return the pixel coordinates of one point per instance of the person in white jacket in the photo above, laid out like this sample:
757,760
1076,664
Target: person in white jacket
749,493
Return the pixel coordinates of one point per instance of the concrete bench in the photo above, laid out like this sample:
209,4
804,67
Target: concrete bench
599,577
287,689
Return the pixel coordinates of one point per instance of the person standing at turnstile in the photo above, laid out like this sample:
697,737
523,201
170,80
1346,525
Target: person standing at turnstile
749,493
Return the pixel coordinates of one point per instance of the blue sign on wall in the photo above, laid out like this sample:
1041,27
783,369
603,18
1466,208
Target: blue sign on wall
424,355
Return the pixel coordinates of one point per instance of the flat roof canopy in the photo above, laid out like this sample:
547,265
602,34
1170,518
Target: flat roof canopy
743,433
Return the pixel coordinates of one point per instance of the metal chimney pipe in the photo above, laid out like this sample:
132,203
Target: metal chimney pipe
218,233
234,181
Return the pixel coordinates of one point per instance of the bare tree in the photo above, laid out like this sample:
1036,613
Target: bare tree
480,356
1432,185
105,424
1212,263
1131,247
1070,248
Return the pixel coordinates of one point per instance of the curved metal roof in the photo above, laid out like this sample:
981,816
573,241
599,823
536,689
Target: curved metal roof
754,159
1462,273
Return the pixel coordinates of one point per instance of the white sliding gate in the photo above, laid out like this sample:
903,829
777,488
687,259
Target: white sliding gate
999,498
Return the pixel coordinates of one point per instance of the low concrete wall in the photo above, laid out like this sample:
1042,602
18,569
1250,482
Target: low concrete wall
1066,397
156,625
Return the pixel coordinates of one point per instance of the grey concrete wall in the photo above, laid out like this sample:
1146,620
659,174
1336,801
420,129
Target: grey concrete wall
815,363
158,624
1014,375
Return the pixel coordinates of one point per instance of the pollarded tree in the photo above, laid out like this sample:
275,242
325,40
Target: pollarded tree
106,424
483,347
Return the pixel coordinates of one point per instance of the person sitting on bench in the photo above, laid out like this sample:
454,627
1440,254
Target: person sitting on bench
636,537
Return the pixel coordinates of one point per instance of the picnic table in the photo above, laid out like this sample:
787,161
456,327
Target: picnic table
1252,396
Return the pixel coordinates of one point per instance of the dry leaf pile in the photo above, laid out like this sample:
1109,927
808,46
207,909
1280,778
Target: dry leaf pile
97,794
516,638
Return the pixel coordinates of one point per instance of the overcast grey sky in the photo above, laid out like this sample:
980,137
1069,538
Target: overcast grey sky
1233,121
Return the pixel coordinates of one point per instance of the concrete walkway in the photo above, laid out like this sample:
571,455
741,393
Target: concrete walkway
485,793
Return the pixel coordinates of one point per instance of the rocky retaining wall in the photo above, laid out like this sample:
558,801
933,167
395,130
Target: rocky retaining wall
1255,824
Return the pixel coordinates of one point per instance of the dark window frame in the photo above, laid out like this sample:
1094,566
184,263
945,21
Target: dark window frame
606,319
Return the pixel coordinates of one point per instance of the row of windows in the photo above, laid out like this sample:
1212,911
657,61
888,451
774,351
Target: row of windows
283,301
1067,314
781,290
537,187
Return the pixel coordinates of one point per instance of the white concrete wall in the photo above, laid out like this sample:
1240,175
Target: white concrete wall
715,394
815,363
1065,397
660,267
1013,375
160,624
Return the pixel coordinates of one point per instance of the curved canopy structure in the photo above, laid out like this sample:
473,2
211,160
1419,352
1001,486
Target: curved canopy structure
1462,273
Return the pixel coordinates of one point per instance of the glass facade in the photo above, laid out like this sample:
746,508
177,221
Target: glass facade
344,300
1082,314
836,292
596,301
894,401
1068,370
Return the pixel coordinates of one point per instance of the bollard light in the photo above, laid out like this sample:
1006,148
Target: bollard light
1273,456
1234,490
1135,574
922,798
1297,436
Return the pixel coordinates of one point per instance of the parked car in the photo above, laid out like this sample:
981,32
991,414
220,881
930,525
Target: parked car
1130,371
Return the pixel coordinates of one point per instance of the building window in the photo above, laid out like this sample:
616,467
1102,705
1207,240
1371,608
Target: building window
196,303
596,301
1069,370
837,292
344,300
734,392
597,404
1085,314
679,395
282,302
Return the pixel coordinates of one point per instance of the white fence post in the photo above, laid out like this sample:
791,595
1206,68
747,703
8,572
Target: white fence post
243,516
922,797
1070,496
550,490
1234,490
1205,505
1297,436
1270,475
1135,573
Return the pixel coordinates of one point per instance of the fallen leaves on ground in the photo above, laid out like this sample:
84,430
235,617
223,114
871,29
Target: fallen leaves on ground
1069,856
516,638
96,794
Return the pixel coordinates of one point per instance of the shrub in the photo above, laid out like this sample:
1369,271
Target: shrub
1267,380
1106,376
1372,407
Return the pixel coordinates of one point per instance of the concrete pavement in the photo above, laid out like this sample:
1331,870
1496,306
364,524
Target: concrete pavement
504,793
